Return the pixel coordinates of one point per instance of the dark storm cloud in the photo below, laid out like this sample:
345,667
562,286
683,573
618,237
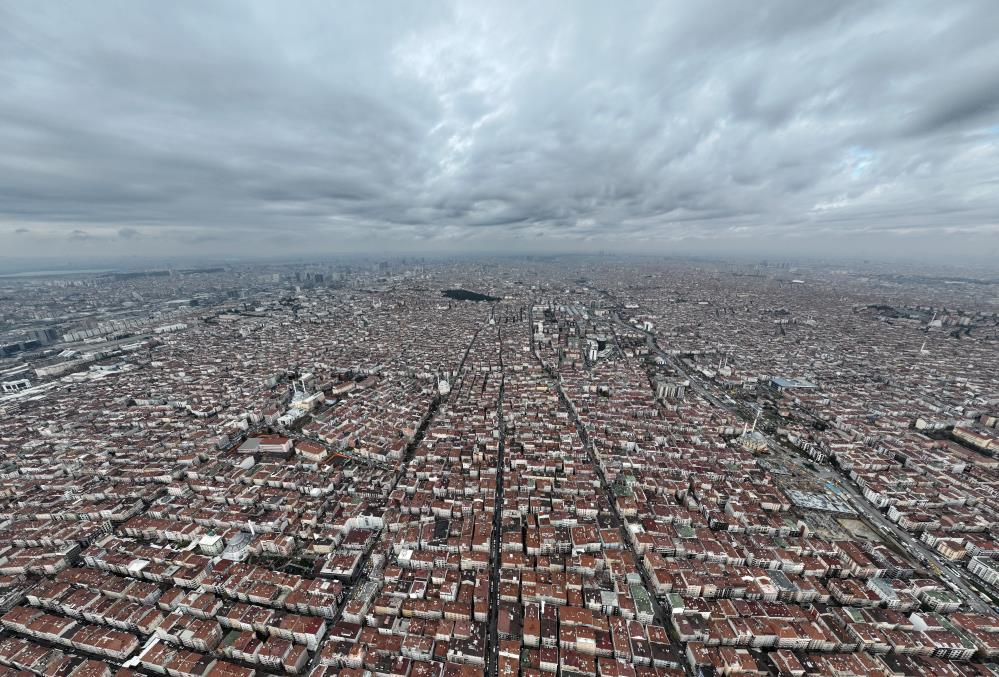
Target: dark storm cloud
207,124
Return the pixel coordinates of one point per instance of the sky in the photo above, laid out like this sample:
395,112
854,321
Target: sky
141,128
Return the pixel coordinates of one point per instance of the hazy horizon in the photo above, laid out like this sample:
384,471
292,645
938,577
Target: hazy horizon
777,129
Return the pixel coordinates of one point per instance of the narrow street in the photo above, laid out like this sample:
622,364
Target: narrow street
428,418
661,613
492,661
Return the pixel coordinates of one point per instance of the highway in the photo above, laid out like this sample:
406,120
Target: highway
954,577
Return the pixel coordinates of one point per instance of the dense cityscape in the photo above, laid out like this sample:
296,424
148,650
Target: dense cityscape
571,466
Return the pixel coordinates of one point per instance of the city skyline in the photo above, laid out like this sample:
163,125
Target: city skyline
551,466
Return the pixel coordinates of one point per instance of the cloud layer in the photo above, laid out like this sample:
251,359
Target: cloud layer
151,126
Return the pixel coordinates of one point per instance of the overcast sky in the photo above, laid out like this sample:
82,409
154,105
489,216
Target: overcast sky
216,127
